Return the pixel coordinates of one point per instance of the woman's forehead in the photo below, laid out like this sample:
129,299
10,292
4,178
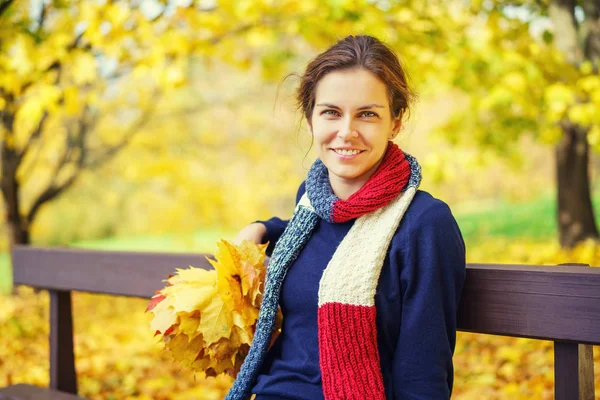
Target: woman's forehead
351,88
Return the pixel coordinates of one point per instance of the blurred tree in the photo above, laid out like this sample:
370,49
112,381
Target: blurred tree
531,67
78,79
61,63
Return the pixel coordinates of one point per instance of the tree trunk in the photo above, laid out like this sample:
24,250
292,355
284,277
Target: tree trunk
575,213
19,232
18,225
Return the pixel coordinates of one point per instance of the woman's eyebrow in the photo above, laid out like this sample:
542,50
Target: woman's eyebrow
328,105
370,106
359,108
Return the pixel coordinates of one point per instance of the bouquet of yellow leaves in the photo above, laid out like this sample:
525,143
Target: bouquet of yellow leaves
206,318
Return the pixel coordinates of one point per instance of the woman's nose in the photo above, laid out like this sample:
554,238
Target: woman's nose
347,130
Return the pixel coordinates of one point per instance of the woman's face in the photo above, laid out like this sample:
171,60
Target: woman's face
351,124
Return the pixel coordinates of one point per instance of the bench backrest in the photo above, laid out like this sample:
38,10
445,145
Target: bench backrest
559,303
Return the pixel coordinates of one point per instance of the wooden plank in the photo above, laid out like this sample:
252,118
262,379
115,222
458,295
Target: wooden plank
30,392
566,367
136,274
586,372
62,357
573,371
550,302
544,302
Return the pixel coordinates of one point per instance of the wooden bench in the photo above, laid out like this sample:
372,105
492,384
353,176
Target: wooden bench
558,303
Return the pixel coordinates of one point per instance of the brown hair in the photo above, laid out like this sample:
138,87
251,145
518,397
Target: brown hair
358,52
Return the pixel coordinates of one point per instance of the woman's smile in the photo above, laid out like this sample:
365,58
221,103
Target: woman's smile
347,154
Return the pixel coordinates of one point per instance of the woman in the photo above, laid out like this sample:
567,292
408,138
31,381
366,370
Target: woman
369,270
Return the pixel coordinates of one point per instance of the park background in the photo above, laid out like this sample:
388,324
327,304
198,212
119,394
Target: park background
167,125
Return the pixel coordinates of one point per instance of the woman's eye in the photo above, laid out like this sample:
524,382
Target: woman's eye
330,112
369,114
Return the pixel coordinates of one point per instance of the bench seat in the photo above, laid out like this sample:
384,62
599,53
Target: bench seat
30,392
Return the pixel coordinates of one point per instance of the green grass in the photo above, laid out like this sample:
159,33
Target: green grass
534,219
5,273
204,241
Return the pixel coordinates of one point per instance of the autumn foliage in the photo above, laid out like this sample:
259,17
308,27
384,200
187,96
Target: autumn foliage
207,319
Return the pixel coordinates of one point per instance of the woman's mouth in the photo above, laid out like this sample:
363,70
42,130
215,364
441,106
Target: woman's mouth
347,154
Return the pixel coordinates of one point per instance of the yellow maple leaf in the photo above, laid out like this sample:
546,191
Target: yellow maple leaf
253,269
189,324
241,267
191,289
184,350
164,317
216,319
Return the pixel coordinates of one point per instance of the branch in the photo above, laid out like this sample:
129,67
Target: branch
78,140
7,118
53,190
28,173
50,193
233,32
34,135
66,156
248,26
4,5
133,129
56,64
42,18
77,41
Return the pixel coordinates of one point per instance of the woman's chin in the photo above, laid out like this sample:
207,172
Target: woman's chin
346,170
348,174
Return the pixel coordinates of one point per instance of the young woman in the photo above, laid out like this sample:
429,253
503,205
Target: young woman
369,270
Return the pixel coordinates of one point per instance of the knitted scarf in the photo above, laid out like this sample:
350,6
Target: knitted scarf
348,351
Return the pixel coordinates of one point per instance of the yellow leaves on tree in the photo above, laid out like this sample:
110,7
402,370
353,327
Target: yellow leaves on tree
206,318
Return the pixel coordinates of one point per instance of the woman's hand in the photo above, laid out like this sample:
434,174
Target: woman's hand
254,232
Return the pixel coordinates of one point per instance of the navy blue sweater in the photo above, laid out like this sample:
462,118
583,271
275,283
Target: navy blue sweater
416,301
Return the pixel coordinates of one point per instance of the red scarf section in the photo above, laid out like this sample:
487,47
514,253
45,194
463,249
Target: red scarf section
385,184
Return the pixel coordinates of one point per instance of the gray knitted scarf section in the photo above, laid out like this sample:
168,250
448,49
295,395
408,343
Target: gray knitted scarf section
286,251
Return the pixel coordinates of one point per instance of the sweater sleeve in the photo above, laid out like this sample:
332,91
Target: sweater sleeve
275,226
432,279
